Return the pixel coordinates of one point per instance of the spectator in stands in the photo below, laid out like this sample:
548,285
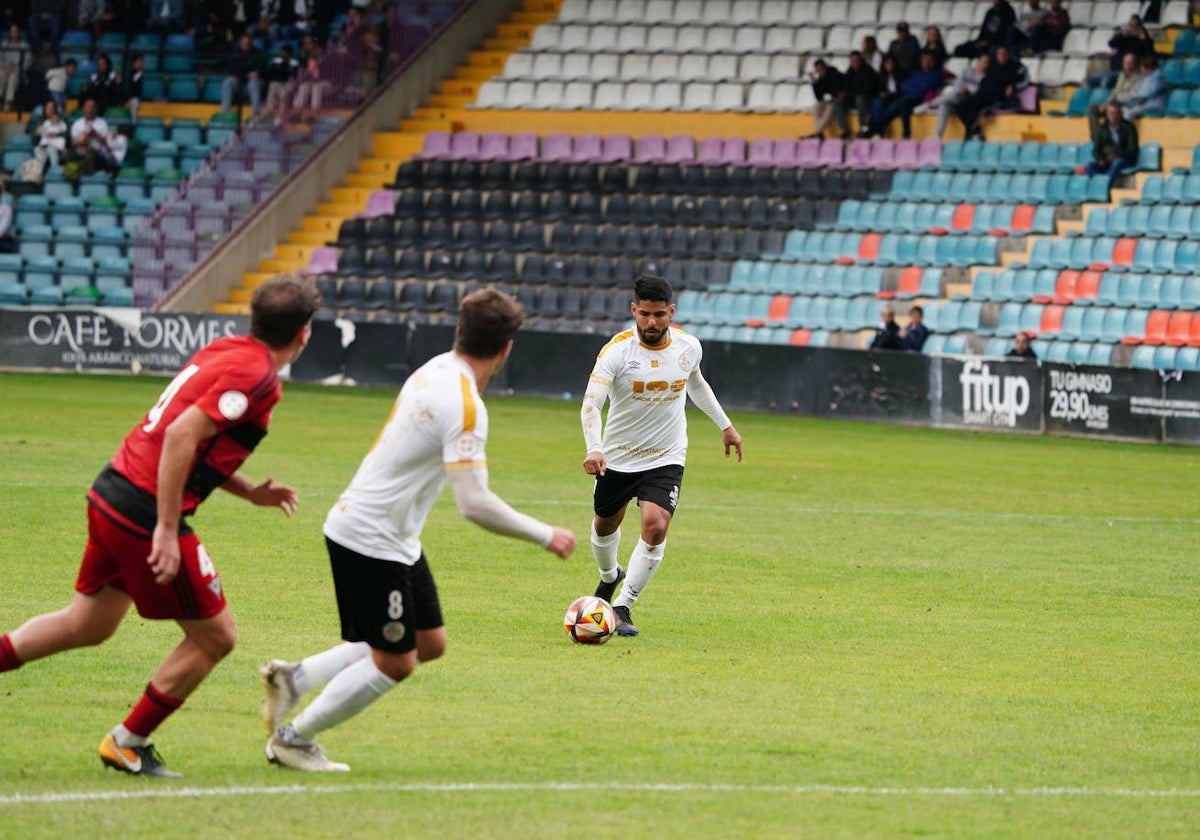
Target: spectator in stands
57,79
1022,347
935,46
128,149
167,15
913,336
829,88
131,90
871,53
905,49
278,74
862,86
1114,144
89,142
244,75
1130,38
15,56
1050,30
1005,76
889,89
51,134
104,85
1150,95
887,334
8,238
957,91
923,82
993,32
1020,34
45,14
94,16
295,18
311,91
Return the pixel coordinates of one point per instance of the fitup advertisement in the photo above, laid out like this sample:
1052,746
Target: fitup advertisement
985,393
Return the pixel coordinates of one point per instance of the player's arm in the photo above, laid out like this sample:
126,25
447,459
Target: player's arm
590,416
178,452
478,504
702,395
264,494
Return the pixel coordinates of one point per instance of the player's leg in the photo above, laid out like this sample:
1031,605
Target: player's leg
611,497
286,682
658,495
87,620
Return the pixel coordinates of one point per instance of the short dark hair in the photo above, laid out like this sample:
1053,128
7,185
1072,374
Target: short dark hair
280,308
487,320
916,309
651,287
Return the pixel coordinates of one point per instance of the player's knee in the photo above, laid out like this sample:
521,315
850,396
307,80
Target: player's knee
397,666
431,649
218,643
654,533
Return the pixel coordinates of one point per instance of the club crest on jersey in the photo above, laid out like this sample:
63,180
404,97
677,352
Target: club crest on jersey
467,446
684,361
232,405
393,631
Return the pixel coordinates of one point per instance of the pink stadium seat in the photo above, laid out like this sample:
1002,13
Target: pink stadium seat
436,146
831,153
760,152
929,152
650,148
492,146
381,203
785,151
681,148
558,147
464,145
708,153
523,146
324,260
907,154
808,154
587,148
858,153
883,154
733,151
617,148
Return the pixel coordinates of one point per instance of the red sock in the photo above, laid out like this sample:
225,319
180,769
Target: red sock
9,661
150,711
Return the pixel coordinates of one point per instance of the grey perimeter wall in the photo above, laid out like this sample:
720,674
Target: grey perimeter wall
946,391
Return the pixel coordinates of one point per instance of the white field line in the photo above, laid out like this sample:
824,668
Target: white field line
18,799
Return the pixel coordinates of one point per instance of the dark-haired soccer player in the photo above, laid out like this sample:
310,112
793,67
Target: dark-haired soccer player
387,599
643,374
140,549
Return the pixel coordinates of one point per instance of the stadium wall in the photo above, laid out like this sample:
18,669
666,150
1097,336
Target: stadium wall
966,392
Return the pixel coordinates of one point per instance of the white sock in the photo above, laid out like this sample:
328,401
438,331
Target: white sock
352,690
127,739
604,549
642,565
318,669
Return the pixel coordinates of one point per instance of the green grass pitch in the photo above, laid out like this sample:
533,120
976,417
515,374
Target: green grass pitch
860,631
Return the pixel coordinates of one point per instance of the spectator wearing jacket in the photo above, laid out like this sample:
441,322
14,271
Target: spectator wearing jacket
1114,144
862,86
1005,76
993,32
923,82
829,88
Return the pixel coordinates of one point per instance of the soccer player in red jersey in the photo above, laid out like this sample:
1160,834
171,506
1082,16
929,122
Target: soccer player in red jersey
140,549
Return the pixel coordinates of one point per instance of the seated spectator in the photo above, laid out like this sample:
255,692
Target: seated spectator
905,50
862,86
829,88
94,16
8,238
913,336
89,148
127,148
244,65
1150,95
1005,76
1130,38
1022,347
311,91
104,85
45,14
1114,144
166,15
1050,30
889,89
51,135
15,56
1020,33
131,91
958,90
871,53
278,75
935,46
993,32
57,79
887,334
914,88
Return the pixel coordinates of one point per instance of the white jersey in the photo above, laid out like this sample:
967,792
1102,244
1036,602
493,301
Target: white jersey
438,424
646,425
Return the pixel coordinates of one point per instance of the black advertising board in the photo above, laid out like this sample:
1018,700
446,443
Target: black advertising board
985,393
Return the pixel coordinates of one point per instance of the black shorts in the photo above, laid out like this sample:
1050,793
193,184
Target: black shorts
383,602
615,489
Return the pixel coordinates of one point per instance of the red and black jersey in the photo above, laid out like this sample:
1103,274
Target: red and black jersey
233,381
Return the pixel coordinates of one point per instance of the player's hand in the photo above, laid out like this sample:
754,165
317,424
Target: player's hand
562,543
164,555
594,463
732,439
270,494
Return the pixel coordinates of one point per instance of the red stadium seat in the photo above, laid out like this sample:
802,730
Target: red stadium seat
1022,220
1088,285
1179,328
800,338
868,248
1052,318
1123,252
964,217
910,282
780,306
1156,327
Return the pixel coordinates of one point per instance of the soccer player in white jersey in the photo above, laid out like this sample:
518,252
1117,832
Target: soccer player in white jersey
390,615
643,374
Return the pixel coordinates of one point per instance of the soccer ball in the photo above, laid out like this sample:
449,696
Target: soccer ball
590,620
